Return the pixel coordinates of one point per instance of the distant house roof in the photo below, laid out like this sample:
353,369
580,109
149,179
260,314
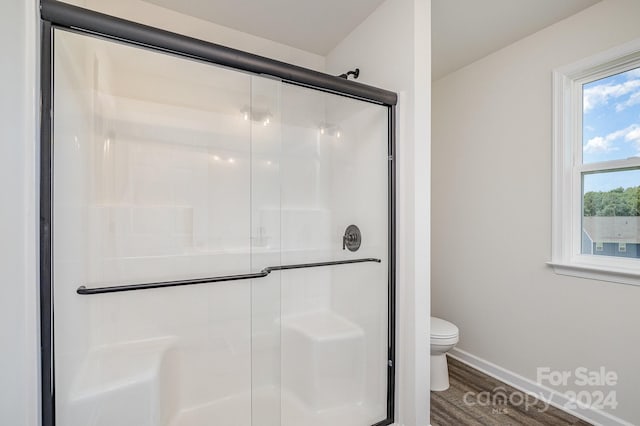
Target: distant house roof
612,229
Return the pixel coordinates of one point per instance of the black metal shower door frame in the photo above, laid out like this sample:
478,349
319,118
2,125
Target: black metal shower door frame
55,14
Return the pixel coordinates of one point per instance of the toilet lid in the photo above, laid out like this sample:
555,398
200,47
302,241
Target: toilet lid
442,329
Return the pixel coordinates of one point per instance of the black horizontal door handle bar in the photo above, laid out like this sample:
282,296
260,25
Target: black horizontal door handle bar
266,271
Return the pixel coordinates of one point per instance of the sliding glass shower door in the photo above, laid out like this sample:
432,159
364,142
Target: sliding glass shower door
334,324
151,183
220,245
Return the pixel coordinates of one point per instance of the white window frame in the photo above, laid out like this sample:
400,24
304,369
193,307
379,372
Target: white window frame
566,257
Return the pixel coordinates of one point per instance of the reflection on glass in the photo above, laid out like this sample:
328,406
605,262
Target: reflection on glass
611,213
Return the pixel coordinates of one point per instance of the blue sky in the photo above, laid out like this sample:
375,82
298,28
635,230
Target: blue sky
611,128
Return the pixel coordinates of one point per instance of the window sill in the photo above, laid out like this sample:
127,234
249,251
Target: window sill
614,275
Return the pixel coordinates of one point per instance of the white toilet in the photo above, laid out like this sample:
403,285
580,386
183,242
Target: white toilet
444,337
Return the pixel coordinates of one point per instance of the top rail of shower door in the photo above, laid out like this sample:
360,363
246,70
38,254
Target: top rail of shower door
66,15
263,273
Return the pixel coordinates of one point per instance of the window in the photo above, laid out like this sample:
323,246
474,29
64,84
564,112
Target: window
596,182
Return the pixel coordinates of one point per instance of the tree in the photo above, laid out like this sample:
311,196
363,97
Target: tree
616,202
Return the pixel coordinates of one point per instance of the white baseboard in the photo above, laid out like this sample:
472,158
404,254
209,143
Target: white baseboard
552,397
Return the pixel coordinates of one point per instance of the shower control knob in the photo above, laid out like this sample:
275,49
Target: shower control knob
352,238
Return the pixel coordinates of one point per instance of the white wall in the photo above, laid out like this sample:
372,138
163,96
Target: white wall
392,49
19,361
491,214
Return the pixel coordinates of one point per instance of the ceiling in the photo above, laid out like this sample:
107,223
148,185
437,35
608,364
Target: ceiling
316,26
463,31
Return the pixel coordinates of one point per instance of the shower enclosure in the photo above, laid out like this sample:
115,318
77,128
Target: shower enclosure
217,234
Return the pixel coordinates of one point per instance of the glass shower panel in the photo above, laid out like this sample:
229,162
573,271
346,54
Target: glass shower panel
151,182
266,140
334,340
